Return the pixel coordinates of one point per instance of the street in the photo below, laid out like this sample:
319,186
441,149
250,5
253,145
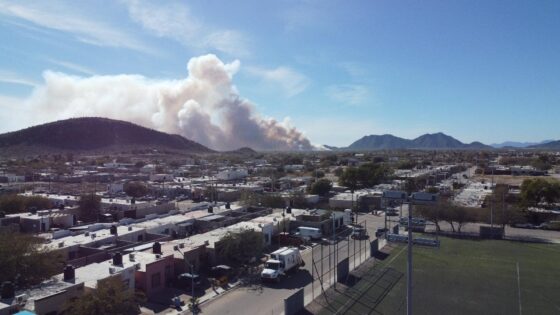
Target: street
267,298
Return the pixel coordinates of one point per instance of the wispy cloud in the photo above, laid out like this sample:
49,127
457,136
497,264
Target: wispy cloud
290,81
304,14
354,69
61,18
175,21
15,78
349,94
72,66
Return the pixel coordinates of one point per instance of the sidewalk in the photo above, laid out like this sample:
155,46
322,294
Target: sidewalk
185,298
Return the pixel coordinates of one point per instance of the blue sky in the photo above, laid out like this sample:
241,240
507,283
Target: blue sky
476,70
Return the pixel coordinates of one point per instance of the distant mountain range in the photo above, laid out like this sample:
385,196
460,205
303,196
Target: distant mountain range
547,145
428,141
514,144
93,134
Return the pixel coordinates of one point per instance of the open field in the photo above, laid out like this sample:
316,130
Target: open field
461,277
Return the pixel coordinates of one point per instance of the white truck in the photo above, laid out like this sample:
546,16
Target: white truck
284,260
308,233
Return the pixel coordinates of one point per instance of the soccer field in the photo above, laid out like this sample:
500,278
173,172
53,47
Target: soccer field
461,277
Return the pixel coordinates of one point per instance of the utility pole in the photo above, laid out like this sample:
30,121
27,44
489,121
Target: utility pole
194,306
504,212
334,243
409,266
492,211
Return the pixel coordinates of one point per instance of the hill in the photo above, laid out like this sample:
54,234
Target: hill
427,142
552,145
437,141
385,141
515,144
93,134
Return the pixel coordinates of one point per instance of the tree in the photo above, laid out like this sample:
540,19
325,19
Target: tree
241,247
298,200
406,165
434,213
350,178
110,297
371,174
89,207
135,189
24,261
535,191
338,171
322,187
542,163
249,198
13,203
432,190
461,216
364,176
458,216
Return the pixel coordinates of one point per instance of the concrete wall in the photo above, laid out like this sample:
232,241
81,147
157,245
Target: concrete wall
56,302
294,304
144,278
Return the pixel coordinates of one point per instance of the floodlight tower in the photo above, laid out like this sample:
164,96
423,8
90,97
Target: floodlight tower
409,265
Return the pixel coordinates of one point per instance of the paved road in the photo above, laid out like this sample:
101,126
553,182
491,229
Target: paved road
269,298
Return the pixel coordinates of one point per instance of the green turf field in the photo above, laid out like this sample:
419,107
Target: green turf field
461,277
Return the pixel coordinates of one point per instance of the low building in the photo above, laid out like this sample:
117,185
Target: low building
317,218
232,174
154,270
52,295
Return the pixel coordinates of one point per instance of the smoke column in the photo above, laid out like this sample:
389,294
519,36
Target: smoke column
204,107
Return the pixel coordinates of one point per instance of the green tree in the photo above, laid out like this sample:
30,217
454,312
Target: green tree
461,216
338,171
406,165
364,176
322,187
433,213
89,207
110,297
13,203
542,162
298,200
432,190
350,178
249,198
135,189
24,261
241,247
535,191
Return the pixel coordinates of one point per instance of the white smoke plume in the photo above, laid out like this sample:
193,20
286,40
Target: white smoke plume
204,107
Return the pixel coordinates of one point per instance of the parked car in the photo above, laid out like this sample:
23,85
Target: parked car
359,233
380,231
187,280
391,212
221,275
524,226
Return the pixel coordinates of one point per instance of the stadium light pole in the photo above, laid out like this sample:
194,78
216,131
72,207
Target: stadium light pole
409,264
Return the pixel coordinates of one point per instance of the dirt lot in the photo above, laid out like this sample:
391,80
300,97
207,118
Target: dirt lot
509,179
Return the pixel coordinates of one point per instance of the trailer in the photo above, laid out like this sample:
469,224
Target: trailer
308,233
